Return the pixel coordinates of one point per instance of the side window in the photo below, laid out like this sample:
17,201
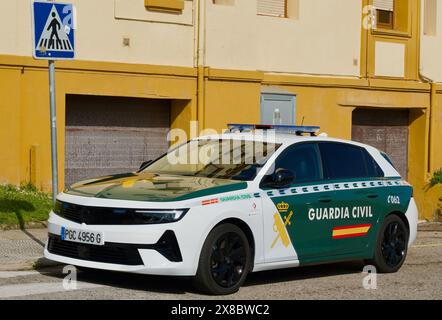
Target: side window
373,169
303,161
386,157
343,161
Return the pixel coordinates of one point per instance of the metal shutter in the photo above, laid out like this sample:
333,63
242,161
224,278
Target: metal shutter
111,135
275,8
386,130
386,5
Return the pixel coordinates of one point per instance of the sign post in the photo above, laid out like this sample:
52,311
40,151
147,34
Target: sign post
54,151
53,39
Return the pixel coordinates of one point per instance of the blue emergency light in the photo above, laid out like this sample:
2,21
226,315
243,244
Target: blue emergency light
298,130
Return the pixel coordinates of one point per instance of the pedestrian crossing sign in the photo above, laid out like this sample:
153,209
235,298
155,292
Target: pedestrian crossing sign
54,30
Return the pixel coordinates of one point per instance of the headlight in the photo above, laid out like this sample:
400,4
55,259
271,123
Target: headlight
151,216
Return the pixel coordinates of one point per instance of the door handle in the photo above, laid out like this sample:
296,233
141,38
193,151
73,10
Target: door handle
372,195
325,200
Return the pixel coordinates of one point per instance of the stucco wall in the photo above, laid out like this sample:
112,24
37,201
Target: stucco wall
431,48
326,39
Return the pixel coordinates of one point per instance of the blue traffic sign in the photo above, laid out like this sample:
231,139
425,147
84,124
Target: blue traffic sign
54,31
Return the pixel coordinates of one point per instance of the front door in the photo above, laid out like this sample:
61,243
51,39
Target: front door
289,233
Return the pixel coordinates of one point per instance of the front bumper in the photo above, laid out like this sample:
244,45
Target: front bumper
146,249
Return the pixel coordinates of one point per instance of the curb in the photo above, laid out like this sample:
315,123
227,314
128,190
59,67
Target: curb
45,263
27,226
38,264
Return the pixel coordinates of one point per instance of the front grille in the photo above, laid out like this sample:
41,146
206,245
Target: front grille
105,216
113,253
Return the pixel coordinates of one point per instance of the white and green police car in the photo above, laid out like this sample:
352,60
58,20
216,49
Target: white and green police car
290,201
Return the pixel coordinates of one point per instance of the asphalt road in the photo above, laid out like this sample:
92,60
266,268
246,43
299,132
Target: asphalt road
420,278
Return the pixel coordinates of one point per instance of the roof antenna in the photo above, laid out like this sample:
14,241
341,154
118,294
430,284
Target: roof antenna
302,122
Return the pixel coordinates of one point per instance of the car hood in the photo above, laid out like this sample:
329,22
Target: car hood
152,187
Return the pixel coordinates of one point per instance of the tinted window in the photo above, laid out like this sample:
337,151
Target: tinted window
345,161
303,161
386,157
374,170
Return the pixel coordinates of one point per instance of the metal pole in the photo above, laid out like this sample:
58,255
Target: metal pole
53,130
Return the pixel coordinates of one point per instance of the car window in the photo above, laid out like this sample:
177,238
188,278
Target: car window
386,157
219,159
374,170
344,161
303,161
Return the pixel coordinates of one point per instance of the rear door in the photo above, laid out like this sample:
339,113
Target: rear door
357,181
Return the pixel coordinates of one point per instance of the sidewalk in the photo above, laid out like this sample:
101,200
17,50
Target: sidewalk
22,249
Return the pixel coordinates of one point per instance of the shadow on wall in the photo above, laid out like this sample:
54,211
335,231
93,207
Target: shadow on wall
16,206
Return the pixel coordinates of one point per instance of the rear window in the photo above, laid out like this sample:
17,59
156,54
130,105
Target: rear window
346,161
374,170
386,157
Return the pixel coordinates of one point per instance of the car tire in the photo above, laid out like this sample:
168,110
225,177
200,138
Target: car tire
391,245
225,261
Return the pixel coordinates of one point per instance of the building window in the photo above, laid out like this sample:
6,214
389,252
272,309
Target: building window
384,13
164,5
279,8
430,18
224,2
275,8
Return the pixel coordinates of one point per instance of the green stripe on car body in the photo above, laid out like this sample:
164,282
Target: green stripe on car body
345,204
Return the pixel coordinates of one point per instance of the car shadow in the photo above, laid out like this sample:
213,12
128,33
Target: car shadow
304,273
122,280
183,285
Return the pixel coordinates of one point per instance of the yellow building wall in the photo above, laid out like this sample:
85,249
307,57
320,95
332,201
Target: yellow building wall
433,195
406,35
10,107
229,96
24,106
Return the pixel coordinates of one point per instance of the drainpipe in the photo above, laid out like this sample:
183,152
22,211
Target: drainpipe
432,127
431,124
200,60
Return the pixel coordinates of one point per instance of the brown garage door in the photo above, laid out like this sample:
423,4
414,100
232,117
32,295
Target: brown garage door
108,135
386,130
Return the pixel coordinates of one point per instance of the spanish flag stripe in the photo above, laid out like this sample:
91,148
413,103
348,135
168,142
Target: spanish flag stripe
352,227
211,201
351,231
355,235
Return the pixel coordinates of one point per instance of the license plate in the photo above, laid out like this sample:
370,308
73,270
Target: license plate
82,236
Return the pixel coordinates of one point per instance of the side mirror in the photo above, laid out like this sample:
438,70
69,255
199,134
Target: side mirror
145,164
282,178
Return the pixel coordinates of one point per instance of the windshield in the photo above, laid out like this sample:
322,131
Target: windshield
220,159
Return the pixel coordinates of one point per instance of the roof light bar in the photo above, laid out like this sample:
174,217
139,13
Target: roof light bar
298,130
